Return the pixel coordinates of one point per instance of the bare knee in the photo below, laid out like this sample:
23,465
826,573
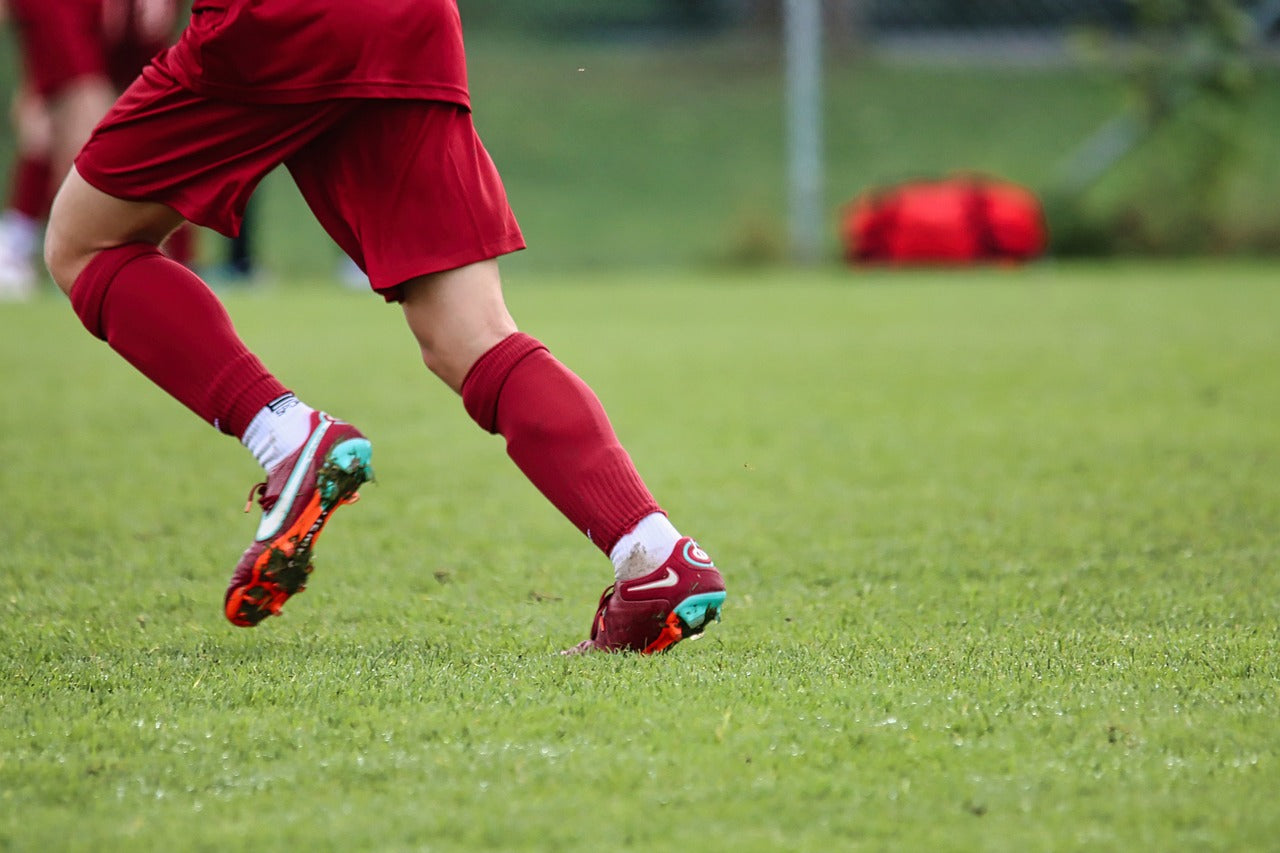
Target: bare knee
64,258
451,359
439,362
457,316
85,221
68,251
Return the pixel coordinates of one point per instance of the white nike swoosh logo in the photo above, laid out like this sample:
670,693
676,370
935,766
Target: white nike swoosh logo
271,521
670,580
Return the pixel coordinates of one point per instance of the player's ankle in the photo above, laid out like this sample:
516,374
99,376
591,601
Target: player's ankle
279,429
644,548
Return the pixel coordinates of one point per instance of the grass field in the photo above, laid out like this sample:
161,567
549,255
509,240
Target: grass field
1001,547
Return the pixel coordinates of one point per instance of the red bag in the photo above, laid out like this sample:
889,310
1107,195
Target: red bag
959,220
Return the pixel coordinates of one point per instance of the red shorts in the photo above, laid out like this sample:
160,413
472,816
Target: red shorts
64,40
403,186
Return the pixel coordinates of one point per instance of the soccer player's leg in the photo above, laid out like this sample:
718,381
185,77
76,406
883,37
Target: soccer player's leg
103,250
74,110
437,256
667,589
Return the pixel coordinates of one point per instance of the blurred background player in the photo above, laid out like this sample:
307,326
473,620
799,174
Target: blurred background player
77,56
30,190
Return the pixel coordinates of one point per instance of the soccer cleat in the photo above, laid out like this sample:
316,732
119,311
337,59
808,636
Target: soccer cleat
650,614
297,499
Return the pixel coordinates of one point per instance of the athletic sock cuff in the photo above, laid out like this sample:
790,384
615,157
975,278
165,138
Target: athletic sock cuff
240,390
89,291
616,500
483,384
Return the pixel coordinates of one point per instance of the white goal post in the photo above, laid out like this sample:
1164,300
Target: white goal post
802,34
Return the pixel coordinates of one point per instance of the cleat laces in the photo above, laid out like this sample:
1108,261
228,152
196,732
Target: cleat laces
259,492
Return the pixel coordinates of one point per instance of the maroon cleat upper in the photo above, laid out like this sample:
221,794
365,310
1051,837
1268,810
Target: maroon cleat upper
297,500
650,614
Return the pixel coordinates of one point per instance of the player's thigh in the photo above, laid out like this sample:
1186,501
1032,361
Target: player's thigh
73,113
85,220
31,123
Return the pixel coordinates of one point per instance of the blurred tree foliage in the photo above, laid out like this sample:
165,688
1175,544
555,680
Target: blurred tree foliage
1190,49
1167,167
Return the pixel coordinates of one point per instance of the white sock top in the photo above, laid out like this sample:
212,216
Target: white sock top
645,548
278,429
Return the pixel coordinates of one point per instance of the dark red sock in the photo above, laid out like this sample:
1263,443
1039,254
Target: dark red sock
559,435
168,324
32,189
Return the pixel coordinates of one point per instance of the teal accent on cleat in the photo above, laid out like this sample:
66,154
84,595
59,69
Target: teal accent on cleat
696,610
347,467
676,601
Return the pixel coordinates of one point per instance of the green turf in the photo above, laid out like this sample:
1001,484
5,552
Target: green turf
1001,549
